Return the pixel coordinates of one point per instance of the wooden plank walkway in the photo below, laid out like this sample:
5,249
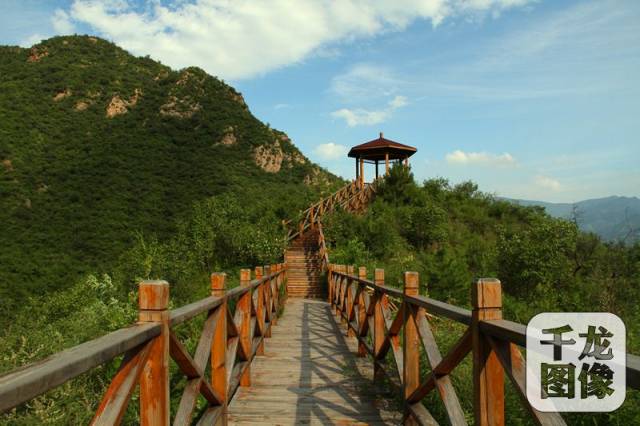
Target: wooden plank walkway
309,375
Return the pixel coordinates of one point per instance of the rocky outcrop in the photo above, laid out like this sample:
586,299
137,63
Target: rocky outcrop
81,106
119,106
37,54
180,103
180,107
269,157
8,165
316,178
61,95
237,97
229,137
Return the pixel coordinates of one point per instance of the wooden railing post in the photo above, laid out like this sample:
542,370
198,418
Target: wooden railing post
153,301
219,344
273,290
488,375
378,324
260,312
283,279
362,313
349,307
330,286
311,218
277,284
337,285
411,344
244,305
269,300
283,266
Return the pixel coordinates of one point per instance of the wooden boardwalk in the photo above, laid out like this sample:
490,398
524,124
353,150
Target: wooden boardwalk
310,375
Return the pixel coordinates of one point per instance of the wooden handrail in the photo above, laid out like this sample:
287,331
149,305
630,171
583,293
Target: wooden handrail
363,306
352,197
147,346
35,379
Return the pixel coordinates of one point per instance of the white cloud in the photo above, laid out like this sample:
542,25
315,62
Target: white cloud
360,116
357,117
61,22
480,158
330,151
398,102
32,39
547,183
281,106
243,38
364,82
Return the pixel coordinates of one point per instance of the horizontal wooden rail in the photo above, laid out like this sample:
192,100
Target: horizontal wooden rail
28,382
364,307
352,197
229,341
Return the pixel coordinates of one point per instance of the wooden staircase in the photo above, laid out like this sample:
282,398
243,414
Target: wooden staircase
303,262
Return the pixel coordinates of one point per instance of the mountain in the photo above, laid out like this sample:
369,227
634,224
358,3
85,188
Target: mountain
612,218
98,146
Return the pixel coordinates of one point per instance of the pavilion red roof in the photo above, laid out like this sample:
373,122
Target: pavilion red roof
379,146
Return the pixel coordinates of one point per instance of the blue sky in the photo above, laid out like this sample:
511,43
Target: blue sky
530,99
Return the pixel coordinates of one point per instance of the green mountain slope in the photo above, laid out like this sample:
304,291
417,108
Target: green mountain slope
98,147
612,218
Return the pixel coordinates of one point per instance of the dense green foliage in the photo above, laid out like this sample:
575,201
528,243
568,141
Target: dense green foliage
98,147
115,169
220,235
451,234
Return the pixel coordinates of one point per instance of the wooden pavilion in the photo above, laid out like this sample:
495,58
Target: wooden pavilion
378,150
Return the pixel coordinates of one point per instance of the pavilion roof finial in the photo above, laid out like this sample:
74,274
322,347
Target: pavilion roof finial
381,135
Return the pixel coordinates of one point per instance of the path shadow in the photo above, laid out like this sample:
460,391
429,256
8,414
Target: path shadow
326,358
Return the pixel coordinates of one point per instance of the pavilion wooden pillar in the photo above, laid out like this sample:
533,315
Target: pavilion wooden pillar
361,172
376,169
386,163
357,170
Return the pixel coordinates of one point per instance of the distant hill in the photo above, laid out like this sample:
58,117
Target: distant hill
98,146
612,218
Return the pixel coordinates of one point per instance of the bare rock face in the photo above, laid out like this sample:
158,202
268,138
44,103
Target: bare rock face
297,158
37,54
237,97
179,107
229,137
8,165
81,106
187,76
119,106
61,95
316,178
179,104
269,158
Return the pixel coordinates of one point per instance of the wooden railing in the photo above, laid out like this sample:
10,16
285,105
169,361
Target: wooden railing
397,331
351,197
322,249
237,321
